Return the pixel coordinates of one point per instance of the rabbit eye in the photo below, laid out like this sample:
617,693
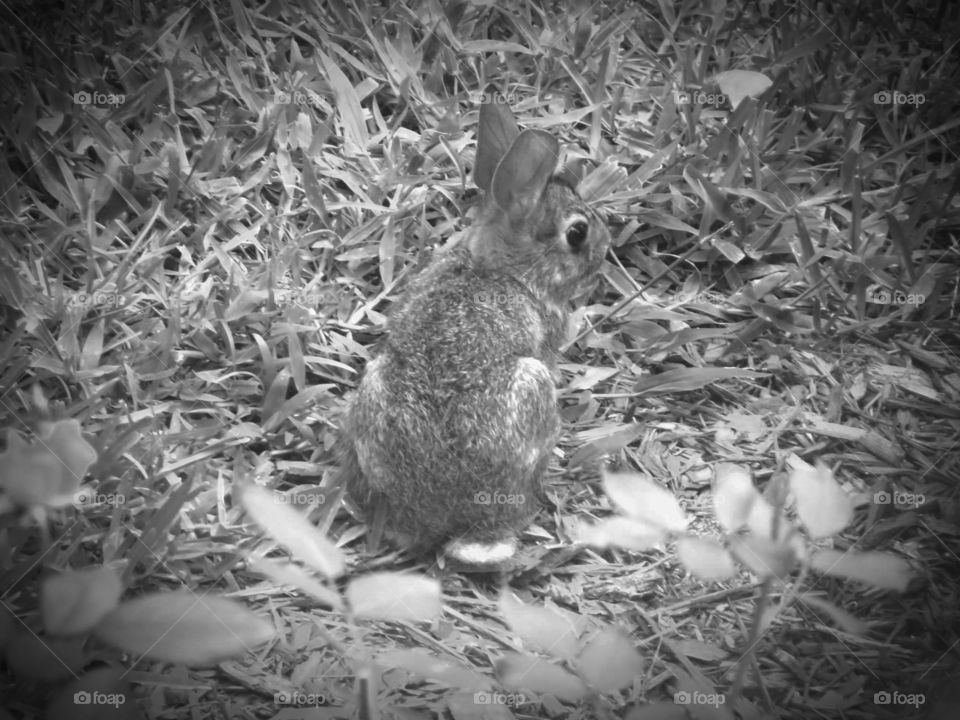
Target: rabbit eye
576,234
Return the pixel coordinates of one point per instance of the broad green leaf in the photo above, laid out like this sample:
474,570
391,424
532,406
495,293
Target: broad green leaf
395,596
49,470
760,519
542,628
822,505
609,662
844,620
285,573
427,666
622,532
292,530
75,601
705,558
183,627
740,84
526,672
764,557
733,496
642,499
879,569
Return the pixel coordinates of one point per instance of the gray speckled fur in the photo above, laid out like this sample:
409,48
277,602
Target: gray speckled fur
460,399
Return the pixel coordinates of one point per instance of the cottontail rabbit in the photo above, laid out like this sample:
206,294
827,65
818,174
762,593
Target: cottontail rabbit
452,426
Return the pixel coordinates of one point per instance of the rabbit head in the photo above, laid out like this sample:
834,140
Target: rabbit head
533,224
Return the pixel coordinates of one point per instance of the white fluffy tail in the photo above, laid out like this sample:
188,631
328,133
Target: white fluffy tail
475,553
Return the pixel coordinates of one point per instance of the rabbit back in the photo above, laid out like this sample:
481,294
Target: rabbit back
454,421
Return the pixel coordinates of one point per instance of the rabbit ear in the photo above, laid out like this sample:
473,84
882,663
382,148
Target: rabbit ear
524,172
575,171
496,133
